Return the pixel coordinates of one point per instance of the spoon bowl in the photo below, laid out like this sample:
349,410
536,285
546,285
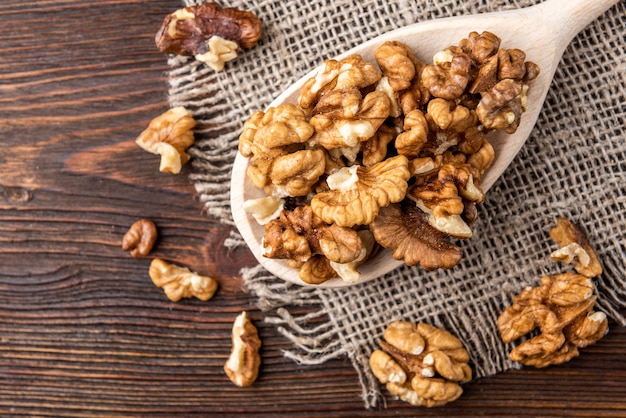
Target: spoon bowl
542,31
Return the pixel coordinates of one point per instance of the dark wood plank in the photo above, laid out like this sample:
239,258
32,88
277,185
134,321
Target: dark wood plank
83,331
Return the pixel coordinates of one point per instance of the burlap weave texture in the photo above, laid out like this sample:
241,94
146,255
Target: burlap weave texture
573,165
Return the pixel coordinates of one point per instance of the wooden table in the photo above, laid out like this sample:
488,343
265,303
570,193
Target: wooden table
83,331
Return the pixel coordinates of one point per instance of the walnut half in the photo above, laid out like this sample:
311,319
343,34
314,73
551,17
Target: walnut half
179,282
140,238
561,307
574,248
242,367
169,135
421,364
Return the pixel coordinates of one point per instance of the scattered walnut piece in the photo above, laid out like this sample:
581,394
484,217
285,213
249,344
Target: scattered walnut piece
242,367
421,364
561,307
169,135
140,238
179,282
208,32
575,248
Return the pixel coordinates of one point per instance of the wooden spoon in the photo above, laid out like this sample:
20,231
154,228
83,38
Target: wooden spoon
542,31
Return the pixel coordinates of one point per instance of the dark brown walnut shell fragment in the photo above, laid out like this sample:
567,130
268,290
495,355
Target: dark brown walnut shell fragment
404,228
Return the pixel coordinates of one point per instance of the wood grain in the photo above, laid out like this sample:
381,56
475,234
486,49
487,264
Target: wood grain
83,331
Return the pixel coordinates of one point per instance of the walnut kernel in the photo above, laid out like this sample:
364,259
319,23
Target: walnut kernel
574,248
242,366
421,364
140,238
561,307
179,282
169,135
357,201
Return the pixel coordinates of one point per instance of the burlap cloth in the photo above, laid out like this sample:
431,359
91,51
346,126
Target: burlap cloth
573,165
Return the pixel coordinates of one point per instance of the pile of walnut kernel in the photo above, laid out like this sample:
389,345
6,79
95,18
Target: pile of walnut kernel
383,154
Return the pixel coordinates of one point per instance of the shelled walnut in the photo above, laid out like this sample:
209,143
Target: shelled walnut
208,32
242,366
421,364
180,282
397,146
140,238
169,135
561,307
574,248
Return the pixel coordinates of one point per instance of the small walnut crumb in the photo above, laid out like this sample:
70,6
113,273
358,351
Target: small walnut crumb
169,135
421,364
208,32
179,282
140,238
242,367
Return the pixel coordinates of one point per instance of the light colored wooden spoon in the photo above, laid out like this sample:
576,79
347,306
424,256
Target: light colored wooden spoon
542,31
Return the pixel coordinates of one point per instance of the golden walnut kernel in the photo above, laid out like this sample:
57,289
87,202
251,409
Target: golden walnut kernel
208,32
140,238
344,118
317,270
169,135
561,307
351,72
299,235
357,193
443,197
421,364
574,248
274,142
179,282
242,367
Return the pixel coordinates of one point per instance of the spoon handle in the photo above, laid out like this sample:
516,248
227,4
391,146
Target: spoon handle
569,17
